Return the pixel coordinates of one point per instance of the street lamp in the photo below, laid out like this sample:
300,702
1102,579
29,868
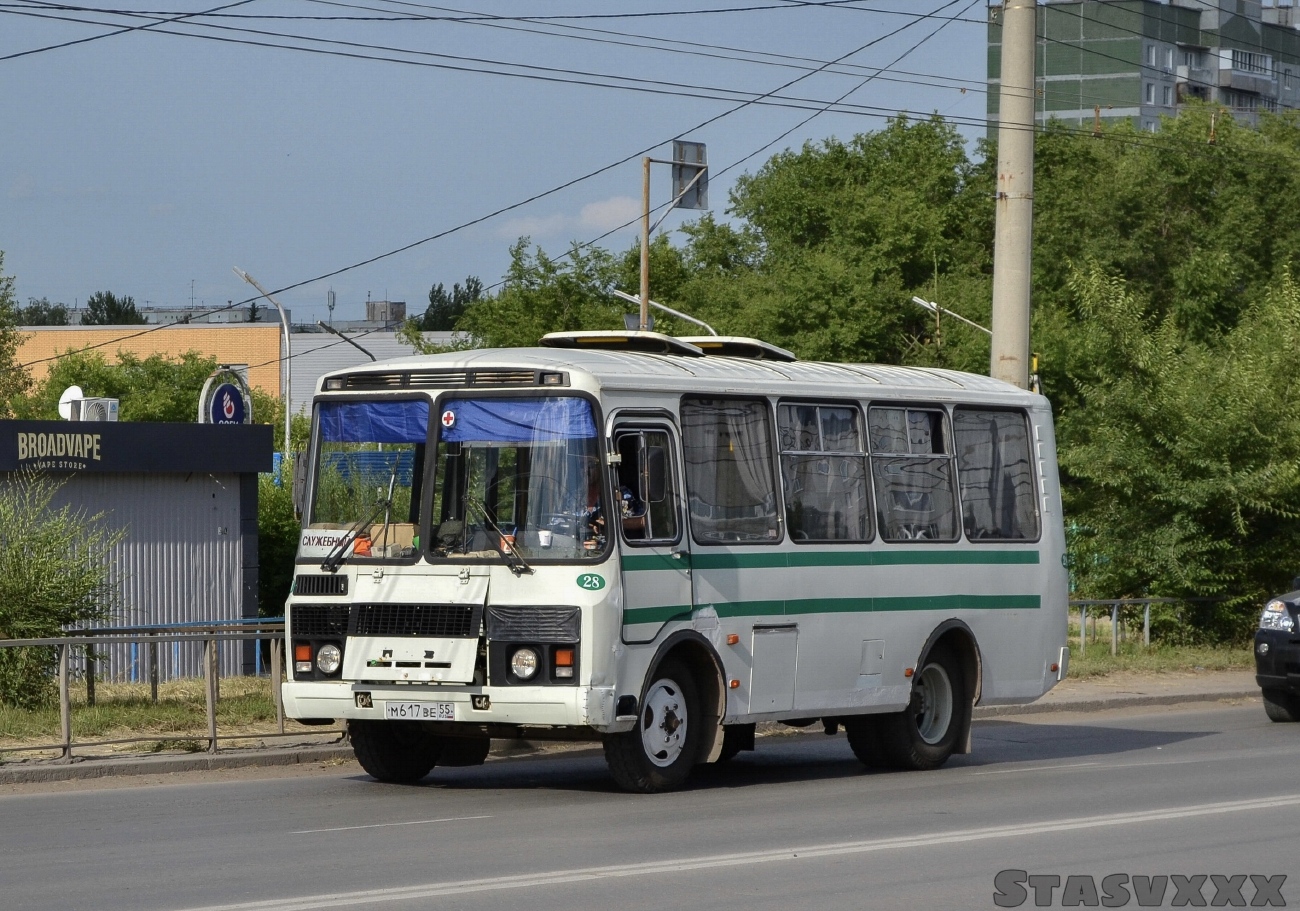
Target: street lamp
935,308
284,321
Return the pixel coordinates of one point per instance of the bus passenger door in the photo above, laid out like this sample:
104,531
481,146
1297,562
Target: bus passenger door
653,551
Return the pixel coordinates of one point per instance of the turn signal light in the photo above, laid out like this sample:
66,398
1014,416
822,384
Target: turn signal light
734,684
564,657
909,672
302,652
732,638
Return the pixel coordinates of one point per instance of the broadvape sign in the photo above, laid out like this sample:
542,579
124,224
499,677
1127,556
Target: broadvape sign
58,451
93,446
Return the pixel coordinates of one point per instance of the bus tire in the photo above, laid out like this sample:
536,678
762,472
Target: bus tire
925,734
394,752
659,753
1281,706
863,733
464,751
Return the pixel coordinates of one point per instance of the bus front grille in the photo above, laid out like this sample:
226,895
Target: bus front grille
435,620
533,624
314,586
319,620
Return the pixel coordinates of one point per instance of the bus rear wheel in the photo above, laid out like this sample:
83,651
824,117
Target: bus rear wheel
659,753
863,732
924,735
394,752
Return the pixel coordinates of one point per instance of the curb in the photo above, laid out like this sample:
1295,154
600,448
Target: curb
45,770
1103,703
48,770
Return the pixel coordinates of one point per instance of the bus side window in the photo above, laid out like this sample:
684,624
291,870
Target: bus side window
997,478
646,491
824,473
729,473
911,465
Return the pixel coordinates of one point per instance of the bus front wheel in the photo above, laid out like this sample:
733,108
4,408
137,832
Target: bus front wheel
659,753
395,752
925,734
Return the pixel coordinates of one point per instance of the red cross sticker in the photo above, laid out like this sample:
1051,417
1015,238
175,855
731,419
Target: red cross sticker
448,418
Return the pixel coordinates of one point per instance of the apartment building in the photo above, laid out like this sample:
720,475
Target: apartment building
1139,60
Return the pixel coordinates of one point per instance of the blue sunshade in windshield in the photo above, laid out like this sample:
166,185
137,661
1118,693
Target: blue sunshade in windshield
516,420
374,422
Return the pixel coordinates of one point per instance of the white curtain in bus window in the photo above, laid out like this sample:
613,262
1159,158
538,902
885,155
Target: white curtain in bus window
729,477
911,465
824,473
997,479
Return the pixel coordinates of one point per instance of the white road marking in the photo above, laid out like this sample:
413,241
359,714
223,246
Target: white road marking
1233,755
1040,768
687,864
385,825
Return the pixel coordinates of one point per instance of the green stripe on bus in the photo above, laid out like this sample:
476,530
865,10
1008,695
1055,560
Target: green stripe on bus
787,608
787,559
650,562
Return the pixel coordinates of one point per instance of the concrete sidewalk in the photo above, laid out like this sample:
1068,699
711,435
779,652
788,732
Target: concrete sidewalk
1127,690
1115,691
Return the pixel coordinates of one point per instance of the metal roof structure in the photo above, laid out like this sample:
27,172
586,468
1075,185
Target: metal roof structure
638,370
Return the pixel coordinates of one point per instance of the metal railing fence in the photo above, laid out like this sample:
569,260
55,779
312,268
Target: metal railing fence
207,633
1117,606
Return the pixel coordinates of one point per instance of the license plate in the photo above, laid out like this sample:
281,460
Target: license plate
420,711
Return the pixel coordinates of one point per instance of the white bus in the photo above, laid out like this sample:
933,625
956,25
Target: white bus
657,543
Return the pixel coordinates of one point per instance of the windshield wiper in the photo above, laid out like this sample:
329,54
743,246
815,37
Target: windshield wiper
335,557
518,565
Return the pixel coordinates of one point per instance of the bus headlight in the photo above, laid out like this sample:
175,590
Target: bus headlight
328,659
1277,617
523,663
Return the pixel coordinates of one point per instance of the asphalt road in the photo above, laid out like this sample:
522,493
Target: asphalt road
798,824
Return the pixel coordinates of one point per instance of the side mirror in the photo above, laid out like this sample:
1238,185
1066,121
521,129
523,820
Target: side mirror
656,463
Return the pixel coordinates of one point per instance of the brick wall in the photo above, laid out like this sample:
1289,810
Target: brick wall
258,346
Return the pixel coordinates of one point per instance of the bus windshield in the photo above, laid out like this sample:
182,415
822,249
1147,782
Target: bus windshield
518,477
370,462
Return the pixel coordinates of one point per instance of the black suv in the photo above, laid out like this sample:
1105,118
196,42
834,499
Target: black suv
1277,655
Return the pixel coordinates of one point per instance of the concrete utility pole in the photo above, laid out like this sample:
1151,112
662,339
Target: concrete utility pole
1014,226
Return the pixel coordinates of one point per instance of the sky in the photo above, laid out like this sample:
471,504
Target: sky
303,140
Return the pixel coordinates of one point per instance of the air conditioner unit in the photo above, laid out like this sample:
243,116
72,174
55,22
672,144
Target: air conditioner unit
94,409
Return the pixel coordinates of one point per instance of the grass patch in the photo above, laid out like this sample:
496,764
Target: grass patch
123,710
1097,660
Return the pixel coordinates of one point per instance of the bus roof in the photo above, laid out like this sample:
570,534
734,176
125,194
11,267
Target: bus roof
613,370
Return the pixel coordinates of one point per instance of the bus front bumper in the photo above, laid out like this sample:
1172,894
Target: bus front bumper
523,706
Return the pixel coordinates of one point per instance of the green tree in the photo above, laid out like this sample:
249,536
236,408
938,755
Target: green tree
54,572
42,313
1184,460
542,295
14,378
446,308
153,388
104,308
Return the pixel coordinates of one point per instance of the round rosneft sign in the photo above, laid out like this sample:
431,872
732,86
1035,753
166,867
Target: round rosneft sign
226,405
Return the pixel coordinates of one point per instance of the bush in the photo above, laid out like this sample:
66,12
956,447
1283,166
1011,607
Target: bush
277,540
55,571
